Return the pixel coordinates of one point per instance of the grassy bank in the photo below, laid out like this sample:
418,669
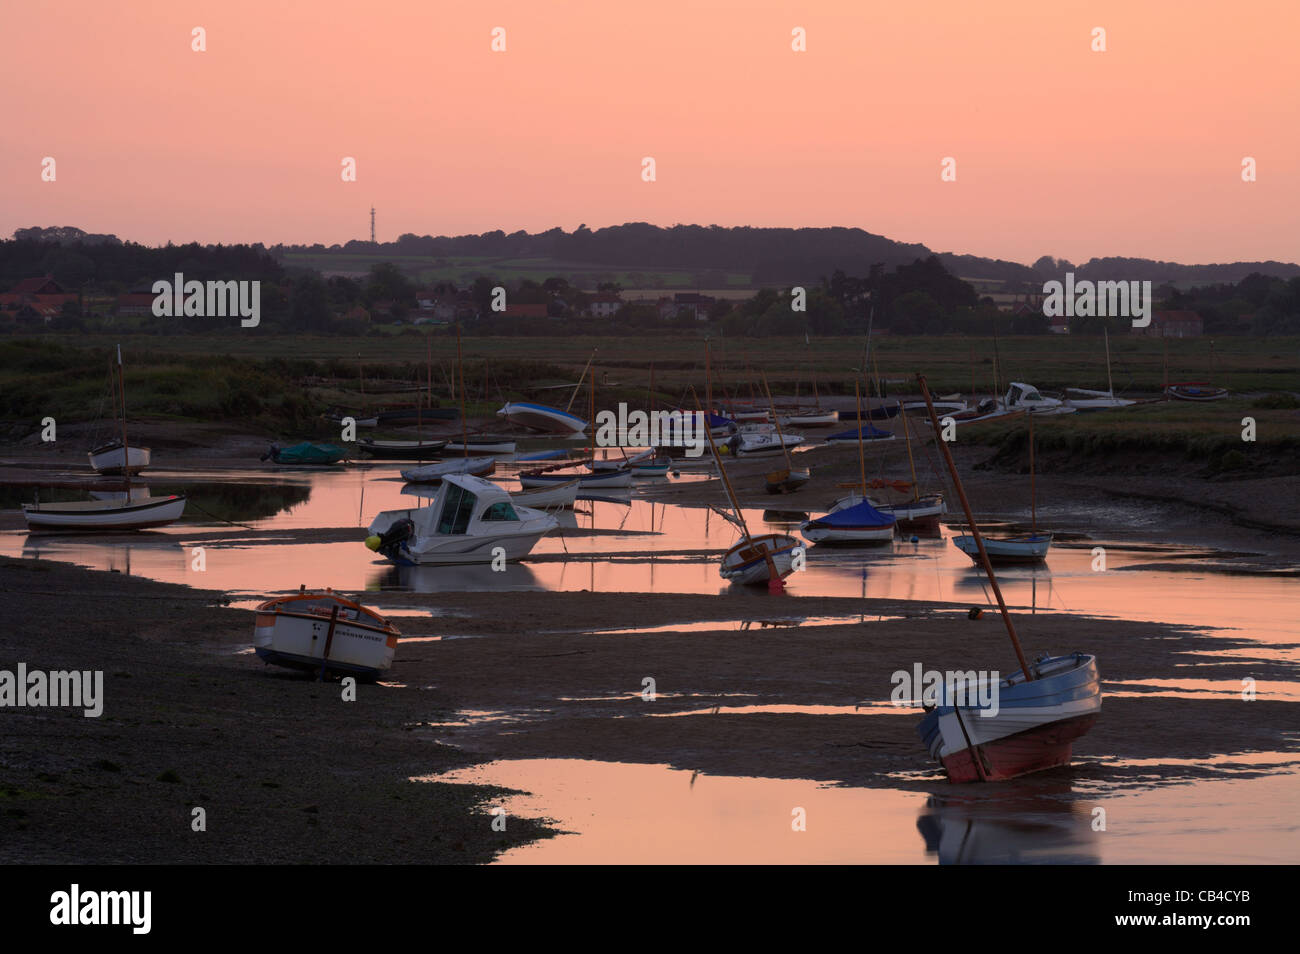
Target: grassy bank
1138,364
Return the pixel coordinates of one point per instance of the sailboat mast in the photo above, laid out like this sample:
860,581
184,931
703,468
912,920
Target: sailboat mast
862,459
126,447
574,395
774,581
1033,499
776,418
975,531
708,379
907,437
1110,384
460,369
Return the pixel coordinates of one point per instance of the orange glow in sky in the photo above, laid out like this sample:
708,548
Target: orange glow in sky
1135,151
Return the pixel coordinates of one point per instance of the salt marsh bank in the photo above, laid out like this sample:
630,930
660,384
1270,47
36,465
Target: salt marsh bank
768,733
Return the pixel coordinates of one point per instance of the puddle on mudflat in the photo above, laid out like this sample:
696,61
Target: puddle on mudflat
735,625
622,813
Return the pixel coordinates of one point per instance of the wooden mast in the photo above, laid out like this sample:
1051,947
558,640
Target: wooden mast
779,436
1033,500
1110,384
460,370
574,395
862,459
911,463
126,447
975,531
708,380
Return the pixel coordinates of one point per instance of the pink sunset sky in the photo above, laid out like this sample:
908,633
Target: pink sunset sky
1136,151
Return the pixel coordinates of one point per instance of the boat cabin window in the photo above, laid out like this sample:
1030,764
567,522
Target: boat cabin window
500,511
1030,395
456,510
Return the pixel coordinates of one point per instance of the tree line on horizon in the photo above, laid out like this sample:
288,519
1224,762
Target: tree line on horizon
920,296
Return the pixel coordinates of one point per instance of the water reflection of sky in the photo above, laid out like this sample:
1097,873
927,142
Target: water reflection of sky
641,545
619,813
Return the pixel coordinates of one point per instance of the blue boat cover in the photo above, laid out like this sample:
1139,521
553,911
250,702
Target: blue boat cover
869,433
859,515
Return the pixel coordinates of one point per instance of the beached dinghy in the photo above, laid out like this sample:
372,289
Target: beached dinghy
818,418
1082,399
1196,391
861,523
433,473
554,496
305,454
1026,548
654,467
1031,726
137,513
1024,723
470,520
321,632
864,432
111,459
762,445
400,450
619,463
483,444
603,479
541,417
753,559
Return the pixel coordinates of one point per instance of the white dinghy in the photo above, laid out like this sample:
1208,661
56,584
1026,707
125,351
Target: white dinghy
321,632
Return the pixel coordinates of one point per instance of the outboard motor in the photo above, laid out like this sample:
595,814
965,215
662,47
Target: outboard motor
391,540
273,453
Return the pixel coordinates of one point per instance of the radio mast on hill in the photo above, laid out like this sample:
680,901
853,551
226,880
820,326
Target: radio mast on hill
372,225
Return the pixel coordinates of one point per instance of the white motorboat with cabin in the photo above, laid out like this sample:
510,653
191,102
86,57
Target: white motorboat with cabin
469,520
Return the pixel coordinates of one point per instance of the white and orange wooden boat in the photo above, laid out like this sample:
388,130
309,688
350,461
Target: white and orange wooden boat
322,631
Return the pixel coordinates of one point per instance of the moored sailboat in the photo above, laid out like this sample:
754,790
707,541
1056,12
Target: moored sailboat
994,729
132,511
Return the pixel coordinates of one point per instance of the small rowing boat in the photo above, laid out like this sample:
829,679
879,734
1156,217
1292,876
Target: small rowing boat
542,417
324,632
400,450
434,473
553,496
608,478
482,444
1196,391
1025,548
111,459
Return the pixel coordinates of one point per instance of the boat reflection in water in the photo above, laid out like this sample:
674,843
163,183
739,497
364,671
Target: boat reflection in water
1040,826
433,578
